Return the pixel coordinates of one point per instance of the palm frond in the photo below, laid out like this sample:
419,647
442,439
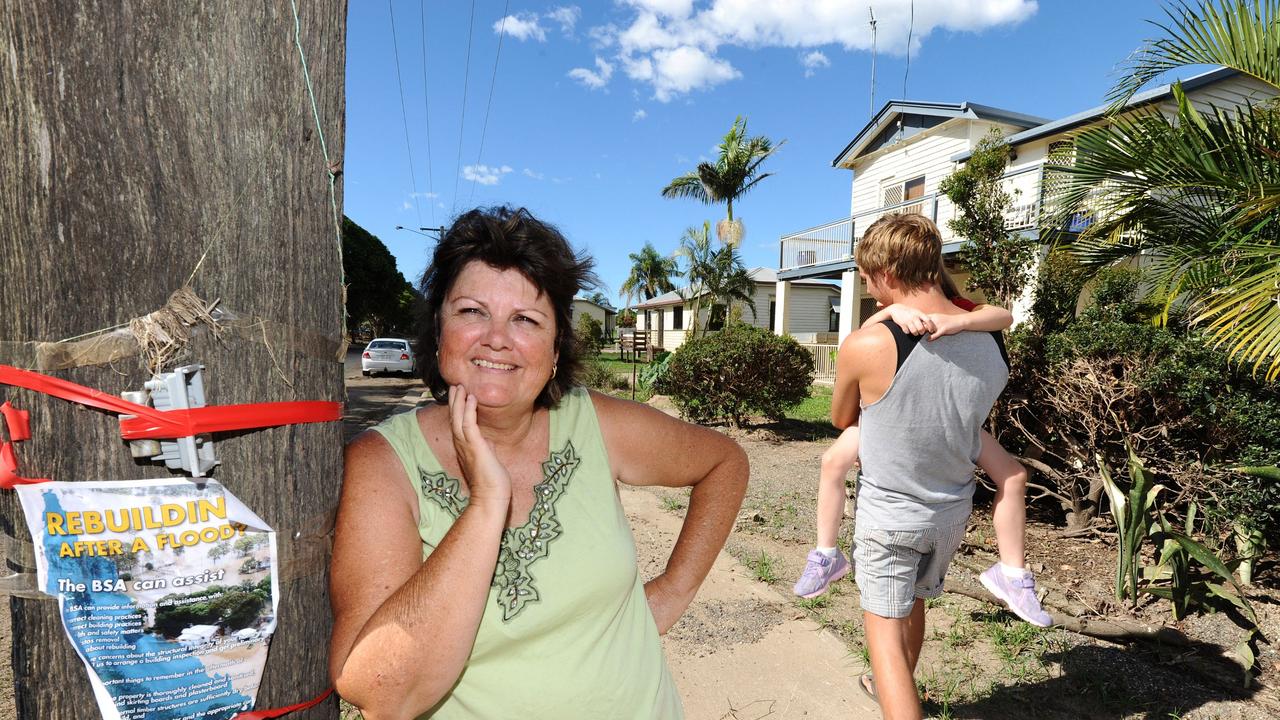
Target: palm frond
1237,34
687,185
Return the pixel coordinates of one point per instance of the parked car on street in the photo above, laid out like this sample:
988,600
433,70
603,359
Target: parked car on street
388,355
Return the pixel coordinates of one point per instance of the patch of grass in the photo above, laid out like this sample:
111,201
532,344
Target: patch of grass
816,408
817,603
1019,645
763,567
674,504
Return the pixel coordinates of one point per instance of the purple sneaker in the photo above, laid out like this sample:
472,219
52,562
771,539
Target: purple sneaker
819,572
1018,593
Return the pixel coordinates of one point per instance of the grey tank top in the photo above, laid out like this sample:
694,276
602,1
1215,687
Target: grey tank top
920,441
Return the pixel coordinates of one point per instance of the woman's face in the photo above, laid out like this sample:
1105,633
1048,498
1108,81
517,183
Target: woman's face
497,336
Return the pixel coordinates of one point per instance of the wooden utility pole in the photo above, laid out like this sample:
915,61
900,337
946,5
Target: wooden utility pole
135,139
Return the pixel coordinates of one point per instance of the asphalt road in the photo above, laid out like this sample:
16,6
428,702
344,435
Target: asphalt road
370,399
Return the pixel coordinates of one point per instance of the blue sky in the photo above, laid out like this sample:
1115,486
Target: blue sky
596,106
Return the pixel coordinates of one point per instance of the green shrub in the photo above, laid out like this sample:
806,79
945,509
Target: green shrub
738,372
653,373
1111,377
590,335
595,374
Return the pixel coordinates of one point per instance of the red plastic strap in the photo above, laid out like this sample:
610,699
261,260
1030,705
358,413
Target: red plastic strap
282,711
9,476
151,423
17,421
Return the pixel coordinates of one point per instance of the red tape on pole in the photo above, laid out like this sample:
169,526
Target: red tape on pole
151,423
9,476
282,711
17,421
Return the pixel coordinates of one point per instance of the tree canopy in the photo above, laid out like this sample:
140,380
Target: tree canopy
377,293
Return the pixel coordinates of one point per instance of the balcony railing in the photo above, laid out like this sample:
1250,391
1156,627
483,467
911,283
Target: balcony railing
834,241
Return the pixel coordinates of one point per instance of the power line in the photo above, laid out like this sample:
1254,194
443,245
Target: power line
404,114
492,81
426,110
466,75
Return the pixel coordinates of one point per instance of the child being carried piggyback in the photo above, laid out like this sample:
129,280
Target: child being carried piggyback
1008,579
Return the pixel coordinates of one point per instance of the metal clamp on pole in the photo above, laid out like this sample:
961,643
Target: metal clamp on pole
181,389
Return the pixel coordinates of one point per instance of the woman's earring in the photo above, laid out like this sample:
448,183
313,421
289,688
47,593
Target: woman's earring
553,371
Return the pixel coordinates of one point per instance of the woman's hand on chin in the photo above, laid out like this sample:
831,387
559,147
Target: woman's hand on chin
487,479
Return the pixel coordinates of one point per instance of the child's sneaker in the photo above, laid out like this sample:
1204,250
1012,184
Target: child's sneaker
1018,593
819,572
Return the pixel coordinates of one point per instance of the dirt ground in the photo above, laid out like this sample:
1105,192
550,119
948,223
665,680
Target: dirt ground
979,661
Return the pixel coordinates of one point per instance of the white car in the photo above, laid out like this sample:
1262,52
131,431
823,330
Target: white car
388,355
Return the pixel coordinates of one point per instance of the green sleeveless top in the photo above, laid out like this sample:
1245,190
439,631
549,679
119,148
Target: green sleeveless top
566,631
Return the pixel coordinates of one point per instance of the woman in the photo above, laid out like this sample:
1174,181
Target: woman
483,567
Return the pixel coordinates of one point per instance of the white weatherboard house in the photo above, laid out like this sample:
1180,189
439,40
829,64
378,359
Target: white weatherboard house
604,314
899,159
669,316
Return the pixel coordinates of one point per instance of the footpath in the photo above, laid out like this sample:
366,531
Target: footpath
742,651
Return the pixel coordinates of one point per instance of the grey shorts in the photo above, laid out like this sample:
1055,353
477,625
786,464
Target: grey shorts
894,567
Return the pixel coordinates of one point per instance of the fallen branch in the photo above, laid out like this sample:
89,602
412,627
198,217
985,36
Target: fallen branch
1109,629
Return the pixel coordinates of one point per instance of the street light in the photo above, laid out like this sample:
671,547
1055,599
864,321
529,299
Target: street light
439,231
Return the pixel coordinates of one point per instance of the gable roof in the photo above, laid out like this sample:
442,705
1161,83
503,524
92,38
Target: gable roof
942,111
761,276
1085,117
608,309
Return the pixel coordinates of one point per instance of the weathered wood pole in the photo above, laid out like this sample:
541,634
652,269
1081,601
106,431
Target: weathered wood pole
134,138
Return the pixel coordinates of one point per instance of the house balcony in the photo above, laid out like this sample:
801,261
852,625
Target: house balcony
826,250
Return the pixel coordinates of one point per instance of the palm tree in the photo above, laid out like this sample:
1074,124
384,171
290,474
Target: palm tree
1198,192
735,171
650,275
716,275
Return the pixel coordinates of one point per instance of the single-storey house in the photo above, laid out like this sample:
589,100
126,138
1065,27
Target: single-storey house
606,315
813,311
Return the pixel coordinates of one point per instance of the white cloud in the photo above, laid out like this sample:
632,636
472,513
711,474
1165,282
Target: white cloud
639,115
534,175
566,16
484,174
429,195
521,27
685,68
673,46
812,61
594,80
670,8
407,205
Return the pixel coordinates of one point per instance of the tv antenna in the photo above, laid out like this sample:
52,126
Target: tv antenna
872,13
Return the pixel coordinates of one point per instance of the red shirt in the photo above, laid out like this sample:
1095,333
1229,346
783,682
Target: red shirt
964,304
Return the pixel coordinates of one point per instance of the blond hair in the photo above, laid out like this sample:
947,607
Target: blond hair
906,246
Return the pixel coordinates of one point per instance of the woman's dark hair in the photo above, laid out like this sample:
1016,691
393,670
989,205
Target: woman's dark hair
507,239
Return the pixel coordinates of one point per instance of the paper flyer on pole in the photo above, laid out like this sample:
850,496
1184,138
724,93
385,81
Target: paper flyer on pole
168,591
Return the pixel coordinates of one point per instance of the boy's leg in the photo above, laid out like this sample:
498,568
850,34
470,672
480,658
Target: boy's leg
1009,513
837,461
894,645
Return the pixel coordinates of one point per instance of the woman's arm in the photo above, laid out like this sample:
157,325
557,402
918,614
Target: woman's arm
403,627
647,447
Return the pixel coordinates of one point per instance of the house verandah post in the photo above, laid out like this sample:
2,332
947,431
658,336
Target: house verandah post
782,295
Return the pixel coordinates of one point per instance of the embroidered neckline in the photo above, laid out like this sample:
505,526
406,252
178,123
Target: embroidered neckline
521,546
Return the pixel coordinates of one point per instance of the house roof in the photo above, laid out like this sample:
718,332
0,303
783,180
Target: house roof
761,275
1085,117
608,309
946,111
